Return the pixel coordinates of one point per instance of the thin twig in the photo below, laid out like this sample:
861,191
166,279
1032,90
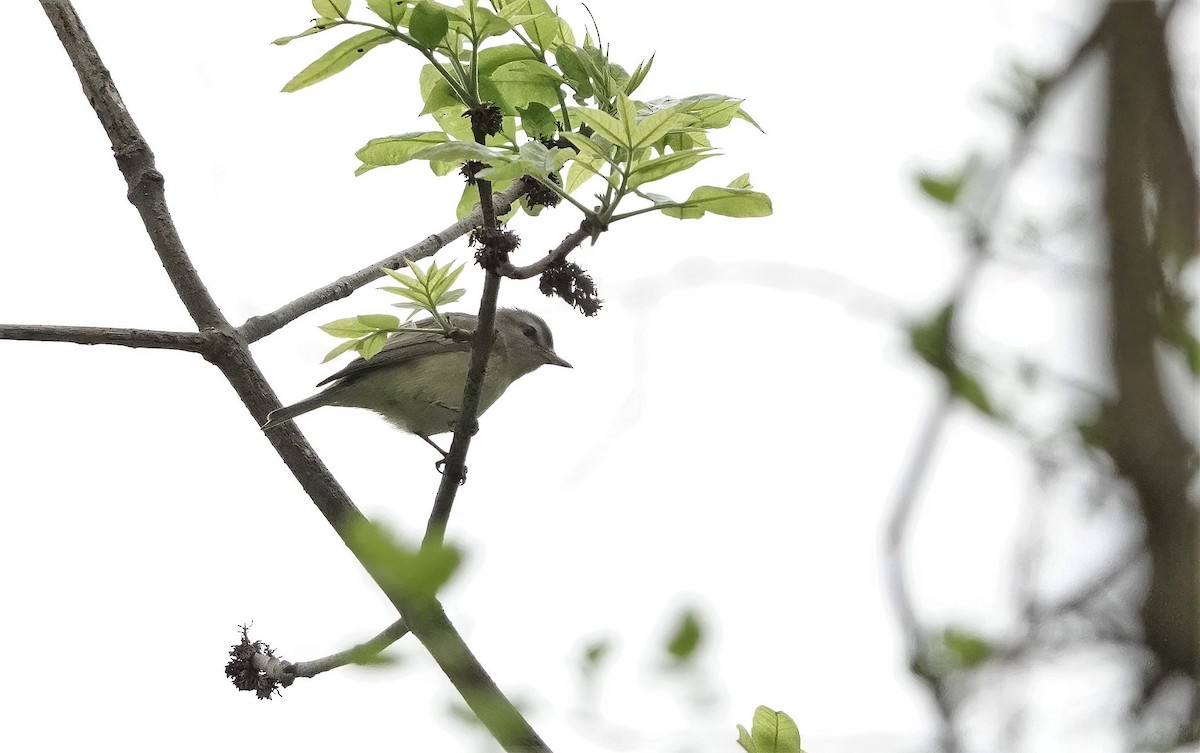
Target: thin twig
568,244
193,342
367,649
257,327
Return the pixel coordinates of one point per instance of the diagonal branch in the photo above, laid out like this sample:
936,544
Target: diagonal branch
258,327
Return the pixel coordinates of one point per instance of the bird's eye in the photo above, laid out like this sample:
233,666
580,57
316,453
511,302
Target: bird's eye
529,332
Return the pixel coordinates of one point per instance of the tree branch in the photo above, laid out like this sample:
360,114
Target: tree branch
1150,450
257,327
229,350
286,672
193,342
569,244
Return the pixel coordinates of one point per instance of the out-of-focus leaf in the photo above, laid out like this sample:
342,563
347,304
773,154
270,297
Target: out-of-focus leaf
416,572
686,637
947,188
965,650
967,387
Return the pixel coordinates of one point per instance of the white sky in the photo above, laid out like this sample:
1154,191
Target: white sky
727,438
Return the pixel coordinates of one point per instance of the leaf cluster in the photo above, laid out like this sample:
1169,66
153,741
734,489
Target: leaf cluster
521,56
426,291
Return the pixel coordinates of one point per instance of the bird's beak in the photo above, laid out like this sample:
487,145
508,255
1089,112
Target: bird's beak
552,358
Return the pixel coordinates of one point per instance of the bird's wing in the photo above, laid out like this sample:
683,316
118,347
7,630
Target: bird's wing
403,347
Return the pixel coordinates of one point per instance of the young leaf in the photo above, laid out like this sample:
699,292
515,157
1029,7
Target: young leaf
438,94
350,327
731,201
340,349
574,71
661,167
391,11
771,732
542,25
396,150
537,121
524,81
331,8
602,123
428,24
379,321
459,151
338,59
638,76
373,343
321,24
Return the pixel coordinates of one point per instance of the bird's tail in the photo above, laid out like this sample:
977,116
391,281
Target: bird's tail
281,416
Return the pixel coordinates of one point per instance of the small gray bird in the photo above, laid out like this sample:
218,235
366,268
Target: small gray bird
416,381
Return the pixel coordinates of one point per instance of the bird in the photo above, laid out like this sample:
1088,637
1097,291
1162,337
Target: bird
416,381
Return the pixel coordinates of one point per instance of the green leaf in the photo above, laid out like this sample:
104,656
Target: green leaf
701,110
486,24
605,125
460,151
931,340
350,327
771,732
1101,430
415,572
742,114
379,321
391,11
595,653
660,167
943,189
331,8
340,349
965,650
638,76
947,188
321,24
657,126
537,121
437,93
516,84
543,28
685,639
580,171
396,150
729,202
967,387
338,59
574,71
373,343
428,24
745,740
